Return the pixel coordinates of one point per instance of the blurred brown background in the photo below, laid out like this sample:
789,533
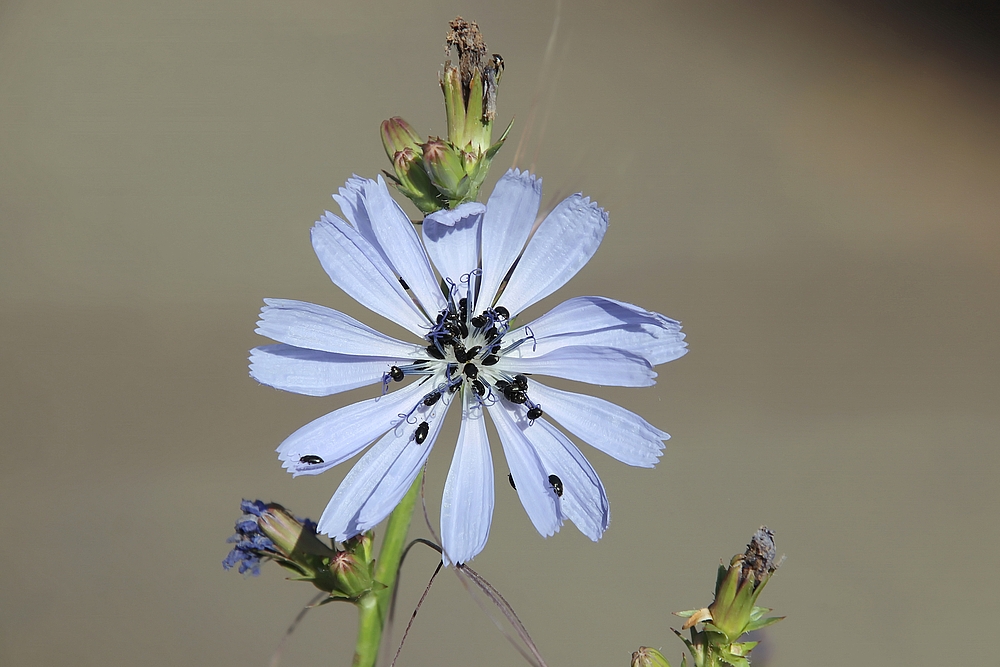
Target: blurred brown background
813,188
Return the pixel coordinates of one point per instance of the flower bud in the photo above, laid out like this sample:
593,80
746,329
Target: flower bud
362,546
397,135
443,174
412,180
648,657
267,531
352,575
446,167
270,532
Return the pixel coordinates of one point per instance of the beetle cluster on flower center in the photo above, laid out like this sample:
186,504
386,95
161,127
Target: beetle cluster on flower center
465,350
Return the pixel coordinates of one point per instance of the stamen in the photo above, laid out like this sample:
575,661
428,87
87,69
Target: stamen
406,417
452,288
518,343
466,278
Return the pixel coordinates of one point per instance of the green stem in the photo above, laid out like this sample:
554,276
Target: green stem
373,608
369,632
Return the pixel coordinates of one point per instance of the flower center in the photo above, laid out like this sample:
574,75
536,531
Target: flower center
463,350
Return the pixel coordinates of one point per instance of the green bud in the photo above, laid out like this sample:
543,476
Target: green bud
648,657
446,167
440,173
293,540
362,546
397,135
269,532
353,576
412,180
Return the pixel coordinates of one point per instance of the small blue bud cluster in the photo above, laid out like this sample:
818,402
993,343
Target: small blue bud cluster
251,544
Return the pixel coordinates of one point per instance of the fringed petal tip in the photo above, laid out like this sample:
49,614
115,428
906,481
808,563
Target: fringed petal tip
524,177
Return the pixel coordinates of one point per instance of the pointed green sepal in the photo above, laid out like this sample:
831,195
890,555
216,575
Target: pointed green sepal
477,130
763,623
492,150
454,104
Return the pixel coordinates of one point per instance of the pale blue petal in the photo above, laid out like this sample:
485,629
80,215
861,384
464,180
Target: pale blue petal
530,476
351,199
583,499
313,372
400,243
356,267
566,240
467,503
452,239
319,328
605,426
341,434
510,215
586,363
595,320
380,478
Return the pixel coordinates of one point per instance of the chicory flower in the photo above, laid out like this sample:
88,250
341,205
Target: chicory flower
471,355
